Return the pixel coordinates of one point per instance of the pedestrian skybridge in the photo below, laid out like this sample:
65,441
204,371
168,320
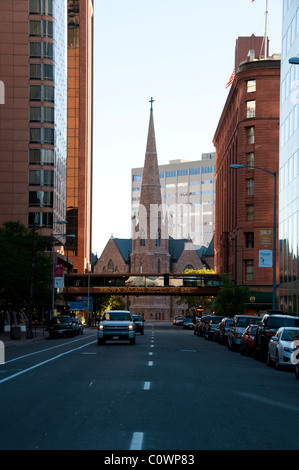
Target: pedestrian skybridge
142,284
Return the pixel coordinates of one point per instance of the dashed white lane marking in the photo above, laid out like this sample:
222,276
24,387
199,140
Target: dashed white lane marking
137,440
150,363
146,385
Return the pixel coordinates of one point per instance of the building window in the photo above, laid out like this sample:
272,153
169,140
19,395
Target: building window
194,171
249,270
250,212
47,157
249,238
142,238
41,157
35,114
48,136
183,172
48,7
35,28
48,93
35,50
250,186
47,178
250,109
251,86
35,135
48,115
34,7
34,177
35,93
35,72
48,29
48,72
137,177
250,135
48,50
170,174
250,158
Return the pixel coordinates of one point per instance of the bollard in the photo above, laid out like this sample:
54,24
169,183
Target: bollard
2,353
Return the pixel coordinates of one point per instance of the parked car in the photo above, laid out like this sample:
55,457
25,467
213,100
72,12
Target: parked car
116,325
139,323
224,327
238,326
78,327
197,325
217,333
281,347
247,340
210,326
267,328
178,320
188,323
202,325
61,325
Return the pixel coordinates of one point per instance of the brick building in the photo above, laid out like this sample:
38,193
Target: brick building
150,250
248,134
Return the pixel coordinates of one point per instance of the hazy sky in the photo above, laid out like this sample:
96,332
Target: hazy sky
181,53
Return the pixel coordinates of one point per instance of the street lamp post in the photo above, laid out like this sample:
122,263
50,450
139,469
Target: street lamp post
294,60
273,173
61,222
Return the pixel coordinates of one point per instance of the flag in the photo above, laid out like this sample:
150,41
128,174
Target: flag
231,79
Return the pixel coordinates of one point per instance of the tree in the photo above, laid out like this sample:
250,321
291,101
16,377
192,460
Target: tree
193,301
20,285
231,299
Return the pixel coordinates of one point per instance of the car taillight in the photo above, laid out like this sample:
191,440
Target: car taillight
269,333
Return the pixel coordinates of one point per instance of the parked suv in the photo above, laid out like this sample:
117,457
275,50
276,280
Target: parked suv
62,325
267,328
238,326
211,325
116,325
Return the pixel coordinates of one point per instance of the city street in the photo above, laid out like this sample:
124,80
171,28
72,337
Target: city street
170,391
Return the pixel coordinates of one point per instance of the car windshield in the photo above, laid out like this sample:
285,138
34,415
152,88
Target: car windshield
246,321
289,335
215,319
137,318
278,322
117,316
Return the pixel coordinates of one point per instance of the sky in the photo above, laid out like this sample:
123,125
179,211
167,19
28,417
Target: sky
181,53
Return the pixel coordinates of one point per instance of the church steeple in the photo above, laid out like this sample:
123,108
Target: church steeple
150,189
150,246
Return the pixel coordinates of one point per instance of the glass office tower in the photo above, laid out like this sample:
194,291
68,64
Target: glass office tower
289,162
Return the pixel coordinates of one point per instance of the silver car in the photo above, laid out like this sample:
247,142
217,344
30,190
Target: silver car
238,326
282,346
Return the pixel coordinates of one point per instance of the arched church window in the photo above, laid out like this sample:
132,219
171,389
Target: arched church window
188,266
140,268
110,266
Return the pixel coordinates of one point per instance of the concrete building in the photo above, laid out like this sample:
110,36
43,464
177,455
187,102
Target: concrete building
248,134
187,196
289,162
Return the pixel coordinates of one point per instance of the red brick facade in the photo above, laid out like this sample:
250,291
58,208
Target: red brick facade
247,134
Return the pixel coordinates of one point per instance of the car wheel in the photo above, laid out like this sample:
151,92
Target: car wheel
277,365
101,341
242,351
269,362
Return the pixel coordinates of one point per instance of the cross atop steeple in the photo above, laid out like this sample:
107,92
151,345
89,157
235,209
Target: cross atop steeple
151,102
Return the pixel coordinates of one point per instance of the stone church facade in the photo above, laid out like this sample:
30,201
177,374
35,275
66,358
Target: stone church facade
150,251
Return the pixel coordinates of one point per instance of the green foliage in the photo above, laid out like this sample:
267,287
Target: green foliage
193,301
108,302
231,299
21,249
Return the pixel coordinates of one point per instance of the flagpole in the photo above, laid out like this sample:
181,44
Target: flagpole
266,27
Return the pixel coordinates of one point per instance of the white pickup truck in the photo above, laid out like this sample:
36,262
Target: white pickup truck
116,325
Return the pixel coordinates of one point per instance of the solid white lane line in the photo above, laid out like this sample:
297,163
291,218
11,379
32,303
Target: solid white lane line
137,440
44,362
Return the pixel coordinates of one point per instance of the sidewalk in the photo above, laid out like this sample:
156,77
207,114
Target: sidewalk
38,334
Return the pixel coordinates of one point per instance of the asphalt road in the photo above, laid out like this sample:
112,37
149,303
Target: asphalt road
170,391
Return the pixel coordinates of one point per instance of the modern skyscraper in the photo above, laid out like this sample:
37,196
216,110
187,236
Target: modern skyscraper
289,162
46,70
33,118
79,149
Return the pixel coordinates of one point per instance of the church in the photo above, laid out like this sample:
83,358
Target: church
150,250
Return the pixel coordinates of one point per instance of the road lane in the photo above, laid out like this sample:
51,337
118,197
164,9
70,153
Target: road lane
171,390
